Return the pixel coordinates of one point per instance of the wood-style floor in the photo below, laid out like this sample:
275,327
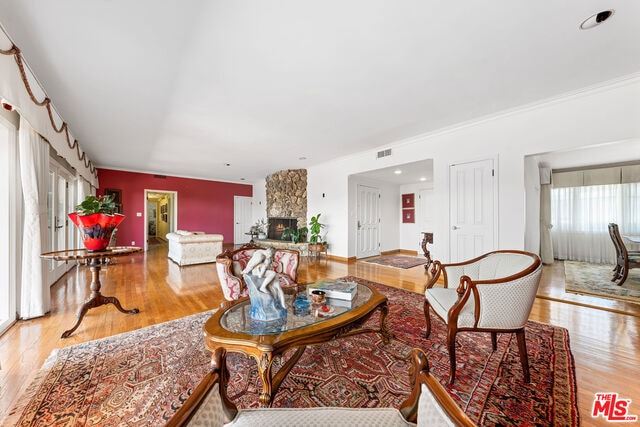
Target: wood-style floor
605,343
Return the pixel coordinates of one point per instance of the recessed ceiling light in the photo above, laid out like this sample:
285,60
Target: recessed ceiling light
423,179
397,171
595,20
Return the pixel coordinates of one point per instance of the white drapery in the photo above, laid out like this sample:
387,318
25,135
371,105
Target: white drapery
35,298
580,216
546,245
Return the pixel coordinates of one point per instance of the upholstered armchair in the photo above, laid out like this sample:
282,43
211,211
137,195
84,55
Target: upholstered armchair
429,405
230,264
492,293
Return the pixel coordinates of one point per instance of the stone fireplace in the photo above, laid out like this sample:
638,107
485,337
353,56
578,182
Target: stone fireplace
286,201
278,224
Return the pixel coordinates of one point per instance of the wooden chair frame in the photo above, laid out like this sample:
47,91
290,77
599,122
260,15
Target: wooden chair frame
419,375
467,288
624,258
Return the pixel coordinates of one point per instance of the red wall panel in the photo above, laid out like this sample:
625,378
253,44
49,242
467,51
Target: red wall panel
202,205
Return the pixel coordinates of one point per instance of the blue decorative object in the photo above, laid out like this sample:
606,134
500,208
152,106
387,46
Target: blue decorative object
265,306
301,306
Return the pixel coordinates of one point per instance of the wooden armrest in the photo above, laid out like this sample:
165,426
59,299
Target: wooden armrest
217,375
420,375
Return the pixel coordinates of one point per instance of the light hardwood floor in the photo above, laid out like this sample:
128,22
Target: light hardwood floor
605,344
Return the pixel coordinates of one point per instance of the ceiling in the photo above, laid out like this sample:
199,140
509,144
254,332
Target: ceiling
237,90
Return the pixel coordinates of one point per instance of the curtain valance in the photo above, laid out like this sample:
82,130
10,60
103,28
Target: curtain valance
598,176
16,80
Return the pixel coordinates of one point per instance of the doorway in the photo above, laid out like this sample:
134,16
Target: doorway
160,213
60,201
472,209
242,213
368,222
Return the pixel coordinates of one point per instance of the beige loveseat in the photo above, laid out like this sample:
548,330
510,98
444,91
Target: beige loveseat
187,247
428,405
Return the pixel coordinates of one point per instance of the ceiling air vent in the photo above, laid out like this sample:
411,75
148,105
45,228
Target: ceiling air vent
384,153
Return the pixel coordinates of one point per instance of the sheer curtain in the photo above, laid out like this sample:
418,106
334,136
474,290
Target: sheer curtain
580,216
35,299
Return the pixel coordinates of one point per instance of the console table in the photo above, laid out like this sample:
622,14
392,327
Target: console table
95,259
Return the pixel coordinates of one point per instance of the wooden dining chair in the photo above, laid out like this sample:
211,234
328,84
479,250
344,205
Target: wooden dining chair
624,259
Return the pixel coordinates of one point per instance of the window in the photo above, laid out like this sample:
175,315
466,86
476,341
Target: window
580,216
9,224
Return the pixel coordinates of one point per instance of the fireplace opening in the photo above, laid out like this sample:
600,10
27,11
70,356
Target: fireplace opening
278,224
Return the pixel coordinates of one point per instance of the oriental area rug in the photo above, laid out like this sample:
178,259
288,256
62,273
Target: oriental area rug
142,377
595,279
398,261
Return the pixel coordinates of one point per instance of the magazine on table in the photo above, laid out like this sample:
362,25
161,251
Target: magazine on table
336,289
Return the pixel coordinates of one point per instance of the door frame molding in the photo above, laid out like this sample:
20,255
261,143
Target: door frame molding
173,219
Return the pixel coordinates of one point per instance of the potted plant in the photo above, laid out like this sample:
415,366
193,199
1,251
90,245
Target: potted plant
316,242
260,228
96,219
296,236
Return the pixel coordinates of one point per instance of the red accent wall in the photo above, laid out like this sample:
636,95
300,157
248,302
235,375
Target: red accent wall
202,205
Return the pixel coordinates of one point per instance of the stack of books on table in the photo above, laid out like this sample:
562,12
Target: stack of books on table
336,290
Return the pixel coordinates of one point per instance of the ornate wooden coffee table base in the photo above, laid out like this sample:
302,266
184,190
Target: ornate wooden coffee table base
265,348
96,299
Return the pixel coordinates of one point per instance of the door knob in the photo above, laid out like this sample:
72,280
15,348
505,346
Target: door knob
455,227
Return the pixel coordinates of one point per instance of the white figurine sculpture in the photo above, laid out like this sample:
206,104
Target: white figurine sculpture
259,266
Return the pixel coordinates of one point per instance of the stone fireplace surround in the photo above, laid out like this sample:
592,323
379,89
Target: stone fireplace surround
286,193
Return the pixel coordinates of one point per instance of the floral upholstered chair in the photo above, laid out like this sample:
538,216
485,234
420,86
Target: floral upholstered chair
231,263
492,293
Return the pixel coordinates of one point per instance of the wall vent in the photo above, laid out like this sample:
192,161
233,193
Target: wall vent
384,153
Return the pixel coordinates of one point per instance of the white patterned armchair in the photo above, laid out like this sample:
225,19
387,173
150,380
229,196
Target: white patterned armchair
231,263
492,293
429,405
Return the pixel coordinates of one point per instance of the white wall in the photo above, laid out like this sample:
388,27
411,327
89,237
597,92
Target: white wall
411,233
597,116
259,206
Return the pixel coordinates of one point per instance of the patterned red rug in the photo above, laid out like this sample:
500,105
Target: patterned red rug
398,261
141,377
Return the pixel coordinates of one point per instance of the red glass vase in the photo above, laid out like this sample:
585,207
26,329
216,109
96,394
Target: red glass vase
96,229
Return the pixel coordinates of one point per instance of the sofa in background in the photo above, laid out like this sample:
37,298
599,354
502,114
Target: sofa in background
186,247
231,263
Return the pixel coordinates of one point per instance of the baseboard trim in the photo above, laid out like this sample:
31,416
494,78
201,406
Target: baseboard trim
400,251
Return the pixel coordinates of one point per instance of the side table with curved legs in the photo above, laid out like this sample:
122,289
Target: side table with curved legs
96,299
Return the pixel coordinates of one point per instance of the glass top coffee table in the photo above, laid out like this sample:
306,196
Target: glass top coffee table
231,329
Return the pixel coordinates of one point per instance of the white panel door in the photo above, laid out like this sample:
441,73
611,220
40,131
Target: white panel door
241,219
59,203
472,209
368,225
